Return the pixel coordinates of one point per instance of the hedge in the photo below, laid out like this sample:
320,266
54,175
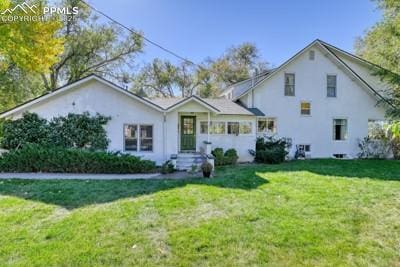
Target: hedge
35,158
230,157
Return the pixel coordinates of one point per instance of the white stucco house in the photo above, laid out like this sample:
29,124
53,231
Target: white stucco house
322,98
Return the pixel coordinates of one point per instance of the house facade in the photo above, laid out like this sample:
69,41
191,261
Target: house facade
323,98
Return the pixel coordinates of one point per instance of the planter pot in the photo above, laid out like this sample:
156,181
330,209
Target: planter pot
206,174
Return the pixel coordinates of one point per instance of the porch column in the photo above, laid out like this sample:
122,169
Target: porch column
208,127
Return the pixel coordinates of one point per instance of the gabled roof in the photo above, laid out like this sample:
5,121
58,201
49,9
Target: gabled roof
330,50
218,105
73,85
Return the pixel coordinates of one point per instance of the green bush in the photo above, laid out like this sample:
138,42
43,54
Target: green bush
167,167
71,131
227,158
35,158
272,156
231,156
271,150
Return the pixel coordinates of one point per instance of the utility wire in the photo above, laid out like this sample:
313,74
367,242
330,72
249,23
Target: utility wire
153,42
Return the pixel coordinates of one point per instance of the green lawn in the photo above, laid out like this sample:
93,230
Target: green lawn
314,213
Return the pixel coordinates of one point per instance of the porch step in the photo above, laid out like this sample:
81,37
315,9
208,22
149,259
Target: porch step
185,161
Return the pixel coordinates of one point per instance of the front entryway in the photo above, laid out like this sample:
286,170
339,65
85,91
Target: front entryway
188,133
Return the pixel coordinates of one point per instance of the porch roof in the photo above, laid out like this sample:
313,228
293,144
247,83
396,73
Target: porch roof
222,105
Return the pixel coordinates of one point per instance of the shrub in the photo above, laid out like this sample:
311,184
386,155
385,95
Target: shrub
73,130
271,150
272,156
167,167
231,156
374,148
221,158
30,129
35,158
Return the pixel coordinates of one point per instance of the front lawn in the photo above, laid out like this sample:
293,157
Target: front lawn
313,213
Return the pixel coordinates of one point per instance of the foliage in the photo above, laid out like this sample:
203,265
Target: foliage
374,148
36,158
207,168
394,135
74,130
17,86
92,46
167,167
32,46
162,78
271,150
381,45
30,129
230,157
80,131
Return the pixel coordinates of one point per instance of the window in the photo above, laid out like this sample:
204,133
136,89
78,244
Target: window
203,127
146,138
305,148
131,137
217,127
233,128
339,129
245,127
305,108
289,84
311,55
331,85
131,140
339,156
266,125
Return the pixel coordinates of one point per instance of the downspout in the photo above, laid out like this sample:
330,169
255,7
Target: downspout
208,127
164,136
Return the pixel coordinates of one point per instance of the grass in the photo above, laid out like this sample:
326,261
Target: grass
313,213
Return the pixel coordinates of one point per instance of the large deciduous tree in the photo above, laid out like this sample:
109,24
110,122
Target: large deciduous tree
29,45
162,78
92,47
381,45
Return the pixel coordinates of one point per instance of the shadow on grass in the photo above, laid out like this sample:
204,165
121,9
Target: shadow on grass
73,194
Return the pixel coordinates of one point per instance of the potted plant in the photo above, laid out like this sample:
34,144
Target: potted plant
207,168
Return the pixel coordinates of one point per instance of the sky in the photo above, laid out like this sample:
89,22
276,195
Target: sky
197,29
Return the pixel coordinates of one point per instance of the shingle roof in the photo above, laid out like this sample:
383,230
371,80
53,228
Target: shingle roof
225,106
256,112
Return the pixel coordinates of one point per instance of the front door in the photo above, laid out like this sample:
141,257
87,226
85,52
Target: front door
188,133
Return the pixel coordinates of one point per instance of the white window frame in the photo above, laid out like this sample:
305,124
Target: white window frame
138,125
327,87
301,109
267,119
334,130
294,83
304,146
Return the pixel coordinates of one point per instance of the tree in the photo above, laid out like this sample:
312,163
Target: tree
162,78
30,46
381,45
92,47
17,85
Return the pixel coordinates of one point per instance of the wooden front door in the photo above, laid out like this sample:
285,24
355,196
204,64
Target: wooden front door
188,133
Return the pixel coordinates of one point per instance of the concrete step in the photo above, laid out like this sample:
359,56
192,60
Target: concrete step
185,161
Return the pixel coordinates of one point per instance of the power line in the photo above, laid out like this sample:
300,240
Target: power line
155,43
141,35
